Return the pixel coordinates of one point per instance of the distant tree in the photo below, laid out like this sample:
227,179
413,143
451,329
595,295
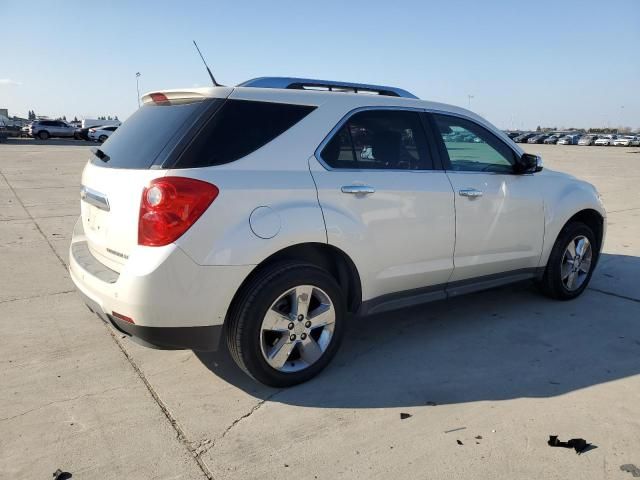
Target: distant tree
538,128
116,118
75,119
109,117
64,117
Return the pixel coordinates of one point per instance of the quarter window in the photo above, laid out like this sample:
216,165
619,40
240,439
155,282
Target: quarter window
473,148
379,139
239,128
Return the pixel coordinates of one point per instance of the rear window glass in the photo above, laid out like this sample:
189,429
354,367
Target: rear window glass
239,128
137,142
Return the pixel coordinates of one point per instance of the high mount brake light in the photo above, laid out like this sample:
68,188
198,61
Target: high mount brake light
170,206
159,98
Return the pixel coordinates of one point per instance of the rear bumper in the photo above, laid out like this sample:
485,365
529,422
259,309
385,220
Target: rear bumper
174,302
165,338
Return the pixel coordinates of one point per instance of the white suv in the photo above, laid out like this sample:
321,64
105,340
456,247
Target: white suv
270,212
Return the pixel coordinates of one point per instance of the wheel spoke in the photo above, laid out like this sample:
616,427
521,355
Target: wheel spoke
323,315
280,352
571,280
275,321
585,266
310,351
302,297
571,250
566,269
581,247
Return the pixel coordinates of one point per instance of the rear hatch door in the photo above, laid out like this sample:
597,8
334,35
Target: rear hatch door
119,170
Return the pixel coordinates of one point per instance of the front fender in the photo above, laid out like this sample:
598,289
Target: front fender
564,197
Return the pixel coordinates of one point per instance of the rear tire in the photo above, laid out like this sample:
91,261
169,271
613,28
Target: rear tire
567,274
43,135
271,340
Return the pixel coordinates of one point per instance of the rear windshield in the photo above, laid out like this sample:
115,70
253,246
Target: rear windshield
137,142
239,128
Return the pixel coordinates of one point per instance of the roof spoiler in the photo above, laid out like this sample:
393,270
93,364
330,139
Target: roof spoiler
328,85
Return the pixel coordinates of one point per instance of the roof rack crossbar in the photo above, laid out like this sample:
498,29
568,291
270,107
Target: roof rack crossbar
330,85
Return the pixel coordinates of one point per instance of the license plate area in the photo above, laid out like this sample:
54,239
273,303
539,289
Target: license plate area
96,224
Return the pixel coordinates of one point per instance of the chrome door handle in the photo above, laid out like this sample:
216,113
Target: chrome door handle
470,192
358,189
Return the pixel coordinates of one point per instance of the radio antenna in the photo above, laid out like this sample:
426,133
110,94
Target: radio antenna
215,84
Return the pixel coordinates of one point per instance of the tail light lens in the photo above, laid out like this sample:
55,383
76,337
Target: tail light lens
169,206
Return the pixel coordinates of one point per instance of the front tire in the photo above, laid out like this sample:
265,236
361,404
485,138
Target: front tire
571,263
43,135
103,138
287,324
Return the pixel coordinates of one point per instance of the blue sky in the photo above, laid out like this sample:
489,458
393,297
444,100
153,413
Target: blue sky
553,63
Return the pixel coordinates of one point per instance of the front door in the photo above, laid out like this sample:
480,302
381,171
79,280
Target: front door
499,214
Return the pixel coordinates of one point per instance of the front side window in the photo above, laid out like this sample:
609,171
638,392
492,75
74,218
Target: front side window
473,148
379,139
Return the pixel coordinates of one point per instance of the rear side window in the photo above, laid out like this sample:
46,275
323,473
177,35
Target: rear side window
139,141
380,139
239,128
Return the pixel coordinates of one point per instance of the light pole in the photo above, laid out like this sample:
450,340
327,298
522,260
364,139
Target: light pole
470,97
138,87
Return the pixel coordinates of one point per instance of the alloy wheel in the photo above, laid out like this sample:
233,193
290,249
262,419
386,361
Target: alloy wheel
576,263
297,328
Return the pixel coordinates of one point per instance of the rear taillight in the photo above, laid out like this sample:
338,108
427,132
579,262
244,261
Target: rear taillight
169,206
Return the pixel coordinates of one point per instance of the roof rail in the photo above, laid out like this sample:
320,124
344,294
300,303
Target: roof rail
330,85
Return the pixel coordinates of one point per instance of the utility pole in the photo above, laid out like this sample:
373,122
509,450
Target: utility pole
470,97
138,86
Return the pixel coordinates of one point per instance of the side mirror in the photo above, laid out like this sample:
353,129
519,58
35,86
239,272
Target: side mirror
529,163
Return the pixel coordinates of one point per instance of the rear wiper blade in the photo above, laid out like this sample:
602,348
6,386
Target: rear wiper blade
100,154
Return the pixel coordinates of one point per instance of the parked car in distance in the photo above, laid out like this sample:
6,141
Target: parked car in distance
178,247
94,122
552,140
605,140
587,140
624,141
522,138
569,140
512,135
538,138
4,132
100,134
43,129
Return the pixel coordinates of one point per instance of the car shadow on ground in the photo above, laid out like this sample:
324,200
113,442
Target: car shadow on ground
506,343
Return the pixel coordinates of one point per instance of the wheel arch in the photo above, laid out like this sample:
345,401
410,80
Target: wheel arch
328,257
592,219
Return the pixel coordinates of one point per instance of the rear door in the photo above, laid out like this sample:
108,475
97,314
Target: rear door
499,214
384,201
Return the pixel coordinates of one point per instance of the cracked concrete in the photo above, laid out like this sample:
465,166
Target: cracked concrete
509,365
